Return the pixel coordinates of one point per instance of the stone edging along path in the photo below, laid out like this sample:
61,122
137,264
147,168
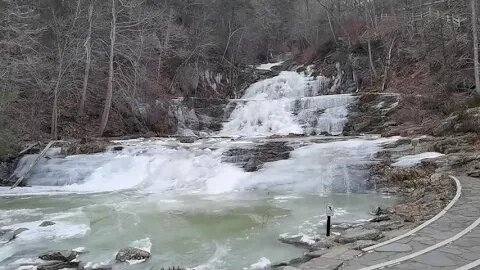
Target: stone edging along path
426,223
439,243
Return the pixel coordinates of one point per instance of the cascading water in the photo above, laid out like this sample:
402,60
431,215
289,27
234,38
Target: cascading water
185,200
290,103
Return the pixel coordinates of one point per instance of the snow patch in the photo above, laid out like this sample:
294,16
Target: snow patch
413,160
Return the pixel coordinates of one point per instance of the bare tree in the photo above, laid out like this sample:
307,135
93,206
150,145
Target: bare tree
109,96
475,45
64,39
88,60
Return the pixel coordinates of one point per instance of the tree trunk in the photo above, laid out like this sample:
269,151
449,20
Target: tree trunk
475,45
88,61
108,98
54,121
370,57
165,45
387,65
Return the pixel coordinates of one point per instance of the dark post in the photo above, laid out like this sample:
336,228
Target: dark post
330,212
328,225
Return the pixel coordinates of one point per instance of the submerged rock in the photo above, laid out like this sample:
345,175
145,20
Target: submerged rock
6,236
19,231
47,223
187,139
58,265
62,255
132,254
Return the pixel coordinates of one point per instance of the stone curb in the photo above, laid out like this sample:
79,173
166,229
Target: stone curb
426,223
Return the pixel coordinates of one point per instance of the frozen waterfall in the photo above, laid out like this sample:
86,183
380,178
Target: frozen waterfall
290,103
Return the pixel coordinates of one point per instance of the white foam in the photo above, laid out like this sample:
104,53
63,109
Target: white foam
143,244
60,230
318,169
215,262
148,167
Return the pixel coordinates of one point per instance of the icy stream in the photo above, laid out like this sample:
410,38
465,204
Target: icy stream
191,207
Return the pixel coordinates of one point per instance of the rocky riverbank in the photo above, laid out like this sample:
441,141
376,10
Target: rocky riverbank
424,186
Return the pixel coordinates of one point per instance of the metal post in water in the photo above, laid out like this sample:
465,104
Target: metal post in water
328,226
330,212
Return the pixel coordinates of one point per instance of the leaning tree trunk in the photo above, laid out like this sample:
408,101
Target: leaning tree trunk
475,45
88,61
387,66
108,98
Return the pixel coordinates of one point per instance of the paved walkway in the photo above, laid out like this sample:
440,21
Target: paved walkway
450,242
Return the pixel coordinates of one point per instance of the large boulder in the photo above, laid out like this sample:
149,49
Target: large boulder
62,255
47,223
356,234
132,254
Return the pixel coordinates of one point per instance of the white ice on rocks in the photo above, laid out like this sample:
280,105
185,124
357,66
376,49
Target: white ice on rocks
413,160
262,264
160,168
269,66
290,103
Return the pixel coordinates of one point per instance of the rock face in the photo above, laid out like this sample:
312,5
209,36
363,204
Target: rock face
356,234
369,115
252,159
63,255
132,254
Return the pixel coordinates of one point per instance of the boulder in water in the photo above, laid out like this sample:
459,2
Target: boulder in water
6,236
62,255
47,223
19,231
132,254
186,139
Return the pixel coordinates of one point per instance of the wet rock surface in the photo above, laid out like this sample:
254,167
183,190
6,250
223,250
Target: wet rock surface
6,236
252,159
356,234
369,114
130,253
62,255
58,265
47,223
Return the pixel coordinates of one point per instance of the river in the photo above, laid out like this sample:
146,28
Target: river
189,205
